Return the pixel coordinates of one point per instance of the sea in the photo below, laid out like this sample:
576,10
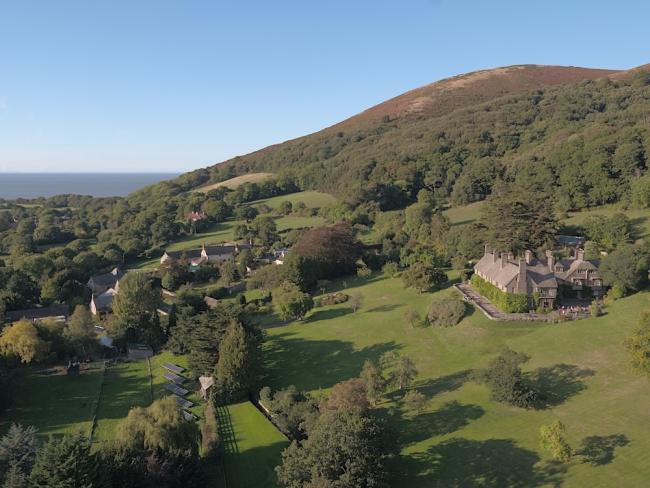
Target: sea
34,185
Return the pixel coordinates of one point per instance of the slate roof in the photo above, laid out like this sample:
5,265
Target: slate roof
104,301
54,311
100,283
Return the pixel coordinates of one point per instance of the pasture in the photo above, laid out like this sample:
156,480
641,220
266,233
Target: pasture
54,402
235,182
251,446
463,438
312,199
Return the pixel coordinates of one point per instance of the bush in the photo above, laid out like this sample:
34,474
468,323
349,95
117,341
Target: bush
209,433
391,269
504,378
446,311
290,302
334,299
506,302
423,277
363,271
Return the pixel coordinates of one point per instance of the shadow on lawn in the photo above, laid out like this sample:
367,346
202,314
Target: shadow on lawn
311,364
491,463
558,383
598,450
328,314
452,416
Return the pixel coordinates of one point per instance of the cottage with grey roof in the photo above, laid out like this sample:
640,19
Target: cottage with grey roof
195,257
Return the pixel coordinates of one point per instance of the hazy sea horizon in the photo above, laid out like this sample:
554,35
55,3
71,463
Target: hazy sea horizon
34,185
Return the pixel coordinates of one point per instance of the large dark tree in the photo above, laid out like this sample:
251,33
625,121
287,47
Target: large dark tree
328,252
236,373
343,448
67,462
518,220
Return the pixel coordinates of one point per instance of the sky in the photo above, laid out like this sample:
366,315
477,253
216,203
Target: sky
171,86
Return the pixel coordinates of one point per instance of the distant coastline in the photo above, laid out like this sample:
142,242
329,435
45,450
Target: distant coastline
35,185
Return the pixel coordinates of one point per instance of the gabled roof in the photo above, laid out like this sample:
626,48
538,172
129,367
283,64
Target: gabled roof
107,280
42,313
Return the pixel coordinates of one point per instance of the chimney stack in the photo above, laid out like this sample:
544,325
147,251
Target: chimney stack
522,282
487,249
529,256
580,254
504,260
550,260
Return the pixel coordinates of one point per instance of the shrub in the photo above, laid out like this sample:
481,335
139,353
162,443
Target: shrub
504,379
217,292
423,277
363,271
553,440
506,302
446,311
334,299
290,302
391,269
209,433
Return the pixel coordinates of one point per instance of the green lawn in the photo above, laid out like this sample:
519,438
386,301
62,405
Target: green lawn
640,218
463,438
312,199
127,385
465,214
252,446
54,403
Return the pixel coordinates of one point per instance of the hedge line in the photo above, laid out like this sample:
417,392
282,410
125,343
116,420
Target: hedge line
506,302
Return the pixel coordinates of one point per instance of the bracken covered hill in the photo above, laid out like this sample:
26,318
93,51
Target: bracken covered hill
582,133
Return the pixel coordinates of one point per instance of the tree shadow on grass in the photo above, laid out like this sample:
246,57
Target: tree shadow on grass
598,450
556,384
492,463
452,416
312,364
331,313
444,384
383,308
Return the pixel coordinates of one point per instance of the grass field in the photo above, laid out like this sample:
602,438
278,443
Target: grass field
463,438
312,199
252,446
236,181
127,385
640,218
465,214
54,403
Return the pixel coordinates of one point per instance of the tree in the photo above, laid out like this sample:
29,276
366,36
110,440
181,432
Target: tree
402,369
239,360
518,220
446,311
373,380
423,277
412,317
79,331
286,207
504,379
625,267
15,478
18,449
329,251
159,428
264,229
638,346
136,310
553,439
356,301
293,411
343,448
290,302
21,340
347,395
67,462
415,401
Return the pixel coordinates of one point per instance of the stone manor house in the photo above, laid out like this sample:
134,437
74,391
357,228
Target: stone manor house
543,278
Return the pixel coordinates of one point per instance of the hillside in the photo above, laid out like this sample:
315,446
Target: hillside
461,134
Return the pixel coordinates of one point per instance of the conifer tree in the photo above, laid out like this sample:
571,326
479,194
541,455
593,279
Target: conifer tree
236,371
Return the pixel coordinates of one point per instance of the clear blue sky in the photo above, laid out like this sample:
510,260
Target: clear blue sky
161,85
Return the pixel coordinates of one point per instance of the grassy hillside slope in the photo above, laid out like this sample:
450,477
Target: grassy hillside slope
463,438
